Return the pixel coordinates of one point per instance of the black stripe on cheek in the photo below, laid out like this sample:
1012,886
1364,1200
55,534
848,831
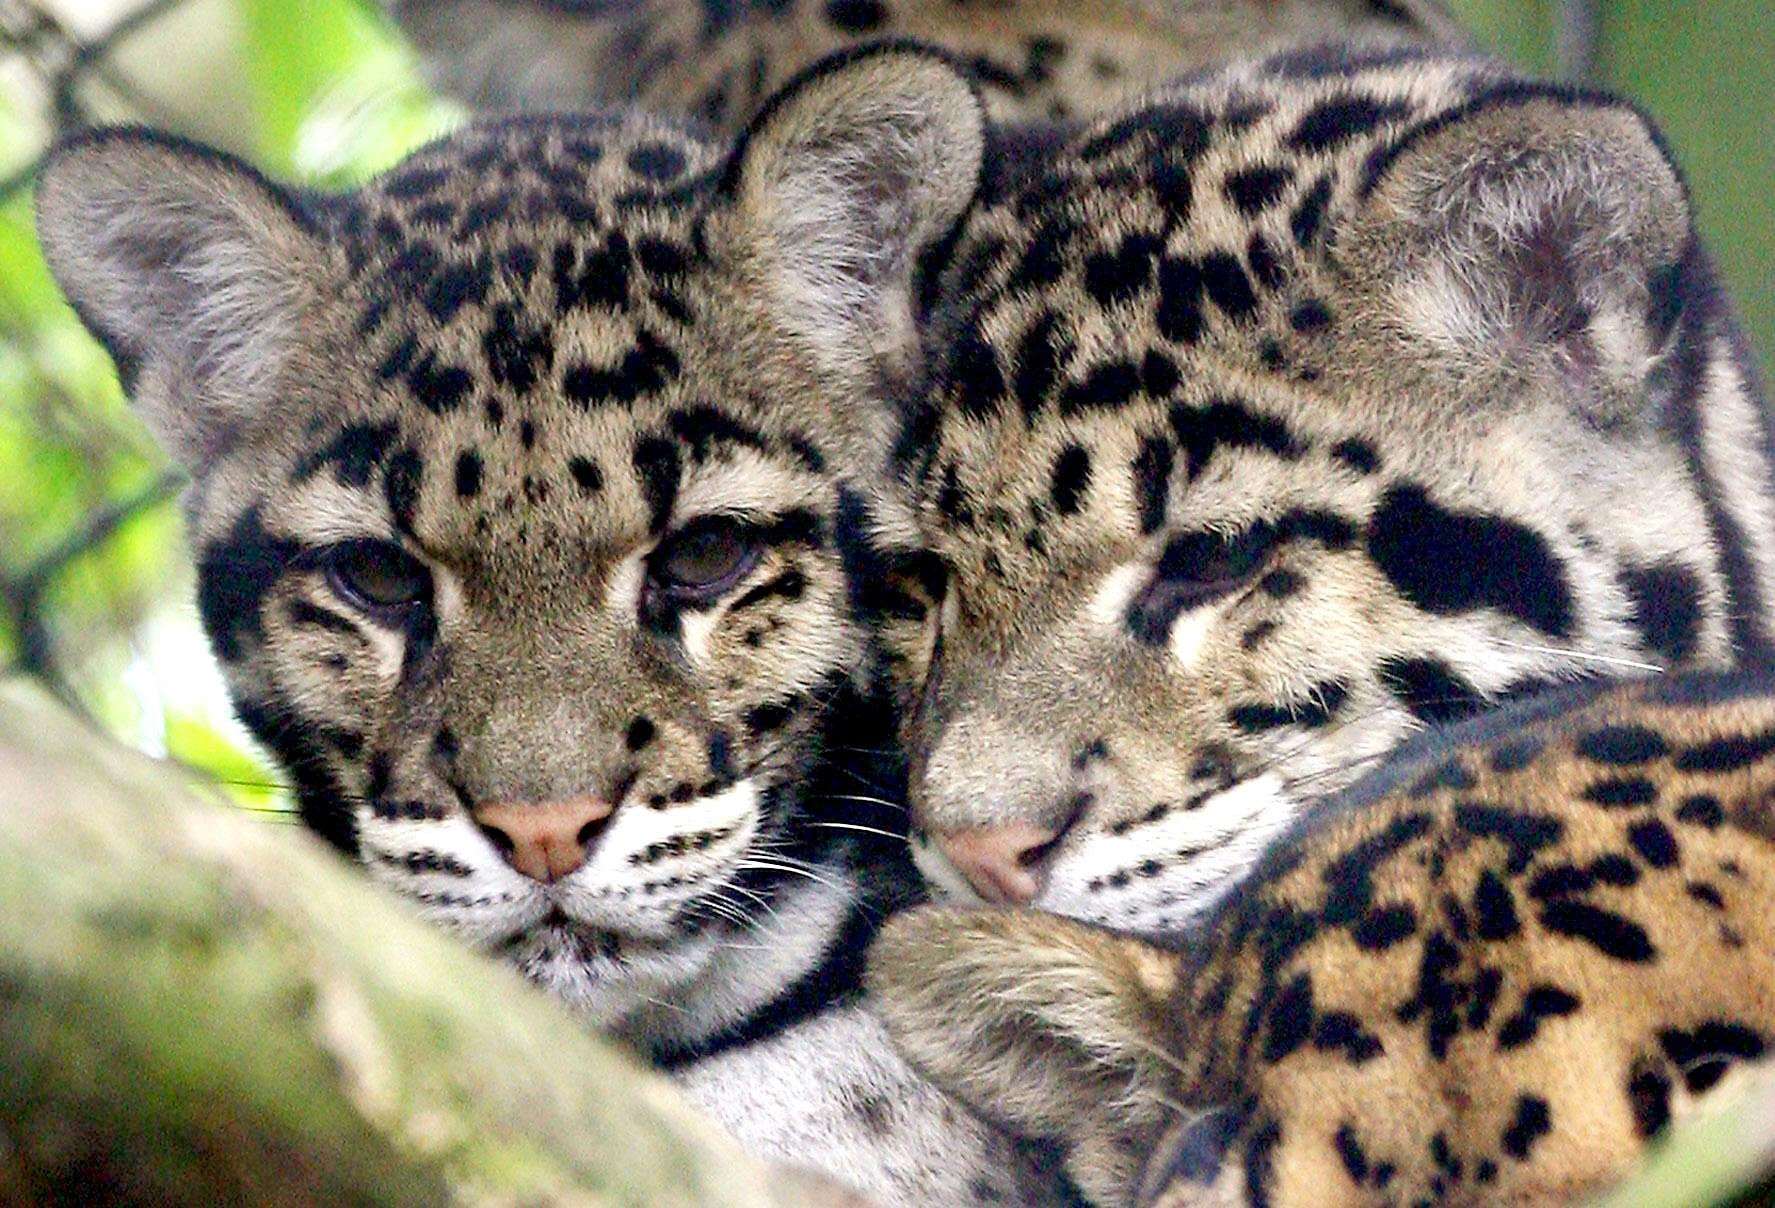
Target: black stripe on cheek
1430,688
320,798
1666,603
234,575
1449,562
1323,700
790,585
304,613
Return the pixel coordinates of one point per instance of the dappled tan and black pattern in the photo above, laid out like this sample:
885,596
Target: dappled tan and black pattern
529,500
1290,410
718,60
1489,974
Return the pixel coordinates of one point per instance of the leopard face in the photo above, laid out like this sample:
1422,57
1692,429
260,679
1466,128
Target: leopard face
1493,972
525,500
1288,412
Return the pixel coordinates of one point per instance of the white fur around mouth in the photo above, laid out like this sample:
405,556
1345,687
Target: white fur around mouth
628,890
1209,849
1205,851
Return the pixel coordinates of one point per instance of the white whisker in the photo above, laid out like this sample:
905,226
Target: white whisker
776,866
868,830
1582,655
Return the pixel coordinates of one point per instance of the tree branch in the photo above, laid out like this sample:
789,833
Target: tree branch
199,1008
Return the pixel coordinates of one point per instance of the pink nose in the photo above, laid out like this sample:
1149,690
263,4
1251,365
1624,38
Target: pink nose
999,861
544,840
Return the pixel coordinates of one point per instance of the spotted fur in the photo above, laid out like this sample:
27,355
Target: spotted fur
1490,974
512,372
1286,412
720,59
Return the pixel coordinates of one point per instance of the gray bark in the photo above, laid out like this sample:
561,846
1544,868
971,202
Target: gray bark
198,1007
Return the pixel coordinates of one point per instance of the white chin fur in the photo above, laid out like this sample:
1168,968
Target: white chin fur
1107,879
606,980
625,941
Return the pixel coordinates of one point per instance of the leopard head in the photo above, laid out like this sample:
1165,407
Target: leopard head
525,486
1282,415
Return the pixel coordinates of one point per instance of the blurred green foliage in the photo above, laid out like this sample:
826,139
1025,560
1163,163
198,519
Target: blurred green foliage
324,91
317,90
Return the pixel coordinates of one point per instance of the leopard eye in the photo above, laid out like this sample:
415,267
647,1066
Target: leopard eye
703,560
1196,569
377,577
1215,563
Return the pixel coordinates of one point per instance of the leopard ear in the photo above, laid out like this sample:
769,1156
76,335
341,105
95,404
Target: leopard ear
1426,20
188,265
1535,230
844,179
1053,1029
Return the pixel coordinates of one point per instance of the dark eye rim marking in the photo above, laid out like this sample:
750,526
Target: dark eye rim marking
664,588
1197,569
348,565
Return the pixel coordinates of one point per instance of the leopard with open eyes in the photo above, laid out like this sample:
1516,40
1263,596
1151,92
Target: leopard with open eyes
718,60
1491,973
528,491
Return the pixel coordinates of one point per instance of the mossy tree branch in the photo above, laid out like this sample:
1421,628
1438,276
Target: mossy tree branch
196,1007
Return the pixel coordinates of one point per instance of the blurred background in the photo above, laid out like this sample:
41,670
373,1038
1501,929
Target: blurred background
95,594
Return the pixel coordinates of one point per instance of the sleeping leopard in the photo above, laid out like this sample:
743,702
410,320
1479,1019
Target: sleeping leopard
1488,974
1280,415
1264,423
718,60
528,500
